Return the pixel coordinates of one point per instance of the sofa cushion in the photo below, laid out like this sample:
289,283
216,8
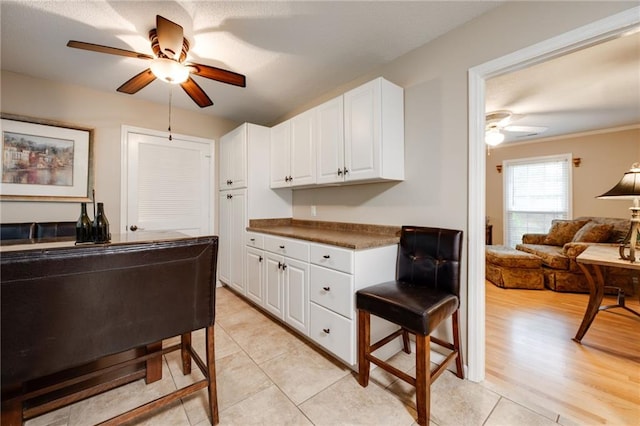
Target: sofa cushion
510,258
593,232
551,256
563,231
620,226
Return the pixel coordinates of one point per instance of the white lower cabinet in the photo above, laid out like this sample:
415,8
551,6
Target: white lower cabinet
255,270
312,287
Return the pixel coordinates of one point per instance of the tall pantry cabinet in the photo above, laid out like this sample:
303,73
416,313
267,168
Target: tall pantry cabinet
244,194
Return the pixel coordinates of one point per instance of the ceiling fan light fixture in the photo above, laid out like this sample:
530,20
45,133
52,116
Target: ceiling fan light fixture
169,70
493,137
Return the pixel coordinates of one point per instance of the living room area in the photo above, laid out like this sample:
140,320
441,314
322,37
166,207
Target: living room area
540,344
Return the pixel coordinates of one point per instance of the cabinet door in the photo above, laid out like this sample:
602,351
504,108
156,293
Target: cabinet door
280,159
224,237
330,141
362,131
296,284
238,225
303,153
274,285
255,275
233,159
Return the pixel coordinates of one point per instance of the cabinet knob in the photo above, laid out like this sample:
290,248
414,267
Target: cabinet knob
339,172
346,170
284,266
326,256
326,288
290,178
229,196
286,178
279,265
133,228
282,247
252,239
327,330
259,258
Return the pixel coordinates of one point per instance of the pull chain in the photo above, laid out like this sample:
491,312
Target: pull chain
170,93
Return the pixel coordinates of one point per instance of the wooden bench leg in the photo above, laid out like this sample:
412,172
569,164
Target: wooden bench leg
185,340
423,378
211,368
154,365
11,413
364,347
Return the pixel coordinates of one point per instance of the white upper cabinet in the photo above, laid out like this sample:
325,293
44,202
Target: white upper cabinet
330,141
280,155
233,159
293,152
357,137
374,132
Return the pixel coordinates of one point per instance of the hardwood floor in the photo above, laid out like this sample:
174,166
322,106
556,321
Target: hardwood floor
531,359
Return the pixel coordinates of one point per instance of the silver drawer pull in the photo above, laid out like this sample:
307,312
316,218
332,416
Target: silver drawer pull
327,330
326,256
326,288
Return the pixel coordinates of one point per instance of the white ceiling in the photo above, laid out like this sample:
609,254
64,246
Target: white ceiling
590,89
290,51
295,51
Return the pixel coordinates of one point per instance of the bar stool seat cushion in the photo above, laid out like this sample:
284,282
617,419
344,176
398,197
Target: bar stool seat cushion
417,308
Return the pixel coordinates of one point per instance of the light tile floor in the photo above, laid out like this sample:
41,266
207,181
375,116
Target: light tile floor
268,376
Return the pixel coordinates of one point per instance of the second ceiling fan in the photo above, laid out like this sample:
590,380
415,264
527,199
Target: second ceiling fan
169,63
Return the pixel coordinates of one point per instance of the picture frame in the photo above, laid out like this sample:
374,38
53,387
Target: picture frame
44,160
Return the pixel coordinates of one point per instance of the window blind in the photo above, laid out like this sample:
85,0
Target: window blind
536,191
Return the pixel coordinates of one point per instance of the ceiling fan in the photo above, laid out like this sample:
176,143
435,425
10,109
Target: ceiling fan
498,122
169,63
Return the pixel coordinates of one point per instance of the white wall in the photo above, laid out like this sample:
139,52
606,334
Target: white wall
105,113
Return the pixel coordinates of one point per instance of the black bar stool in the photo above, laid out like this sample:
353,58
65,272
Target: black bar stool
426,292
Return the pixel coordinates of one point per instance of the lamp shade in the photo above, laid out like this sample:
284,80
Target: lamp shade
628,187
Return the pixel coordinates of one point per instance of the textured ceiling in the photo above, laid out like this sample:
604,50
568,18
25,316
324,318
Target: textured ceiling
590,89
290,52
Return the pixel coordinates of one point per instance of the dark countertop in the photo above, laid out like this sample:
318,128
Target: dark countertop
349,235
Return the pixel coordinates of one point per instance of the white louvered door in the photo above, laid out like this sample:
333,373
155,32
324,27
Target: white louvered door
168,184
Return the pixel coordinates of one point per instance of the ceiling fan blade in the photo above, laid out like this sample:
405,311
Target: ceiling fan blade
196,93
138,82
106,49
525,129
170,36
218,74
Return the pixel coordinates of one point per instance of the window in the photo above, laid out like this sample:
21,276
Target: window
536,191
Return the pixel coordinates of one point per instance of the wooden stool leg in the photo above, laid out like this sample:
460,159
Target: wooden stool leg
456,345
405,341
423,378
364,346
154,365
185,341
211,367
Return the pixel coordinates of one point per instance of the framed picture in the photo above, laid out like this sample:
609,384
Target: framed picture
45,161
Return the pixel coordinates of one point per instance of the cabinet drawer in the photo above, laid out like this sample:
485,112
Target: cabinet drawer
287,247
332,290
333,332
254,240
332,257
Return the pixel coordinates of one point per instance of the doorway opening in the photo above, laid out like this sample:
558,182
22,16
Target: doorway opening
582,37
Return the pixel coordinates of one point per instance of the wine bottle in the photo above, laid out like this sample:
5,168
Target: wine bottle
101,226
83,226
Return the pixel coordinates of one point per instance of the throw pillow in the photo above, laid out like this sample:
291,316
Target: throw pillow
563,231
593,232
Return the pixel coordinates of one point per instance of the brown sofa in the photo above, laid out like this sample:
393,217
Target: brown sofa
558,252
